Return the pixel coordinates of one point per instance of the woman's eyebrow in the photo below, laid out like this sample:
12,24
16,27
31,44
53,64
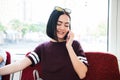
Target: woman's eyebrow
60,21
67,23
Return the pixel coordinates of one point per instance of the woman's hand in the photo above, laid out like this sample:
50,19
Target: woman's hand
69,39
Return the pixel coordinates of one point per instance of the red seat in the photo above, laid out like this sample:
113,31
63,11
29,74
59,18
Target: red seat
8,61
27,73
102,66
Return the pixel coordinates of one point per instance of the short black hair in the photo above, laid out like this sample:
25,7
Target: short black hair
52,23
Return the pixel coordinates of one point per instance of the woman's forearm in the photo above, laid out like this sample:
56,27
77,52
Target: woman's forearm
79,66
11,68
15,67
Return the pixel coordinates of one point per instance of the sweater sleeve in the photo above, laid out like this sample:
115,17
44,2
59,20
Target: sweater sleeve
35,55
79,52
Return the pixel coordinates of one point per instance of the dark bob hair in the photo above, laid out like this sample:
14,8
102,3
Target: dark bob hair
52,23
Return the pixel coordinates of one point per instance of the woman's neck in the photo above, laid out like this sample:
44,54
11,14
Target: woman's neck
57,41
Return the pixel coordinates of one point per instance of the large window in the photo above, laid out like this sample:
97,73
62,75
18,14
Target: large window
23,23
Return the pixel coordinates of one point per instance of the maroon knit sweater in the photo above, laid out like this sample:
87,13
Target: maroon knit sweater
55,60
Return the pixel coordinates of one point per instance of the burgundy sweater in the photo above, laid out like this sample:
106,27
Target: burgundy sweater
55,60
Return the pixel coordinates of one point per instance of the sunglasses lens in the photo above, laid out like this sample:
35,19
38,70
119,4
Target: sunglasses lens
67,10
64,10
58,8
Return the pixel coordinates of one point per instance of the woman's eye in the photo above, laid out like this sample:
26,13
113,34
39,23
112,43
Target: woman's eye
66,25
58,24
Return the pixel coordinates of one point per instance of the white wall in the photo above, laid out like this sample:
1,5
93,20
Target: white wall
118,30
114,28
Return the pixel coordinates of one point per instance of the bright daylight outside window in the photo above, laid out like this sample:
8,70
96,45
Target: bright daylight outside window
23,23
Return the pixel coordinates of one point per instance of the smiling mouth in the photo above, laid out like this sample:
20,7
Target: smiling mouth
60,32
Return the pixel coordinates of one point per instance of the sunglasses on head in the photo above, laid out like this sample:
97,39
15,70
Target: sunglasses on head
65,10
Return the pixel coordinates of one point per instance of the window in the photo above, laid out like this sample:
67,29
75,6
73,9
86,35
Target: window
23,23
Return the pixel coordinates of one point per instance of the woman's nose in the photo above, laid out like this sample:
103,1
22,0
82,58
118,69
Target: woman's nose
62,27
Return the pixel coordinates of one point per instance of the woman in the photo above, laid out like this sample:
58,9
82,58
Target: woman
62,58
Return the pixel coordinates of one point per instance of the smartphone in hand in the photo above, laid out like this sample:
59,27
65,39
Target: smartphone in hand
66,35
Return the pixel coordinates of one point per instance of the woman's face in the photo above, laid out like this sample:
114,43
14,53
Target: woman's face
63,26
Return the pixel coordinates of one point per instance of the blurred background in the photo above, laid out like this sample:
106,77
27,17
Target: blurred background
23,23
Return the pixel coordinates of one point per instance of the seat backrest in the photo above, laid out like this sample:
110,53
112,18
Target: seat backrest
27,73
102,66
8,61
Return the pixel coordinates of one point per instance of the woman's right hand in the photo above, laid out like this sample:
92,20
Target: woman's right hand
69,39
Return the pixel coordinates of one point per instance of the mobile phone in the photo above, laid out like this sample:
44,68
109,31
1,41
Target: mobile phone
66,35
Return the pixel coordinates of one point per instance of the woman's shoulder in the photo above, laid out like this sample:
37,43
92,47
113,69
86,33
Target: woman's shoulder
43,43
76,42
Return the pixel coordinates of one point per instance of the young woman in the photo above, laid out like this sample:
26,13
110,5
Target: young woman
62,58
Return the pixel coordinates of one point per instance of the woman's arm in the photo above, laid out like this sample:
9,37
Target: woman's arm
79,66
14,67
